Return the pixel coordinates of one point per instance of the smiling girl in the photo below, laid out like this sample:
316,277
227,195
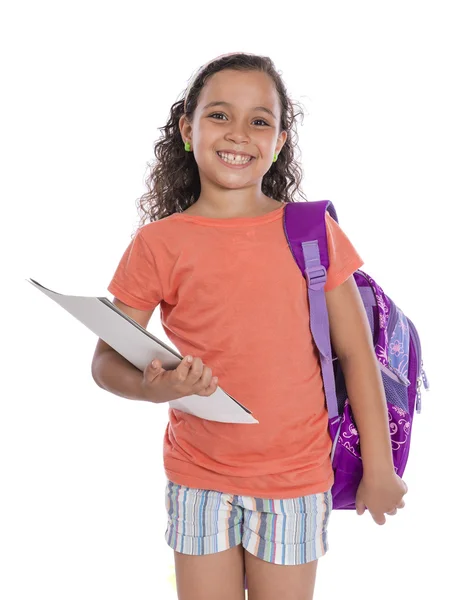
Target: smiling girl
250,500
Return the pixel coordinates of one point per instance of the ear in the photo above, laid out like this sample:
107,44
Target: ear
185,128
281,141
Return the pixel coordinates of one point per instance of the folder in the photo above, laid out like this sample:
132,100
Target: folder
140,347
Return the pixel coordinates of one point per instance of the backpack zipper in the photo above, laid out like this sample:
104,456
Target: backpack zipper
421,375
392,318
424,379
394,374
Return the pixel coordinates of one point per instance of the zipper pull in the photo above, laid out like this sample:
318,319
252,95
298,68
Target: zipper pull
424,378
418,404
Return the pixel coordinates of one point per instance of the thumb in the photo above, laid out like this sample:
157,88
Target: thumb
155,367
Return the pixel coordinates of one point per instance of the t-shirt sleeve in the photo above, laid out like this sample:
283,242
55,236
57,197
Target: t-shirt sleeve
136,281
343,257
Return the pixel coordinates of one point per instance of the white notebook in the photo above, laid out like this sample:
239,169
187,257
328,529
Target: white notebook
140,347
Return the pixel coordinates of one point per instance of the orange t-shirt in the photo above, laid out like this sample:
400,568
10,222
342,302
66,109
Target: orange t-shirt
231,293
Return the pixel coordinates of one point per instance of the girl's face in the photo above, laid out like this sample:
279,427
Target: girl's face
247,123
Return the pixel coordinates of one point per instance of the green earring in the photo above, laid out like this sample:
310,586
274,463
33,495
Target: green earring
187,147
275,157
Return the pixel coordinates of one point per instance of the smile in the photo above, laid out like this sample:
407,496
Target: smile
241,163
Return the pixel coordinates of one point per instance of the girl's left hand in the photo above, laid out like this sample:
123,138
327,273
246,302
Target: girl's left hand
381,495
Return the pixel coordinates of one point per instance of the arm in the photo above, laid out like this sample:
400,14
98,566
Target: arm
381,490
114,373
352,341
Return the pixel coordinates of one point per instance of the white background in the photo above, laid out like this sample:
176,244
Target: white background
86,87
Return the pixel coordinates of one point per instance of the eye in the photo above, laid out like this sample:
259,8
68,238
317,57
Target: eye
222,115
216,114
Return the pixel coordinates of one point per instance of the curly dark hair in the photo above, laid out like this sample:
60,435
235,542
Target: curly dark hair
173,181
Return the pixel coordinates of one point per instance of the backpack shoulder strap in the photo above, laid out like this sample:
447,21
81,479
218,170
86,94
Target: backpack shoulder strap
305,230
307,221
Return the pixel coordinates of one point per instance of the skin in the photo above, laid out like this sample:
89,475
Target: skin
380,490
228,193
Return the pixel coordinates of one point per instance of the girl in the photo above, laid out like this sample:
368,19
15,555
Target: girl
241,500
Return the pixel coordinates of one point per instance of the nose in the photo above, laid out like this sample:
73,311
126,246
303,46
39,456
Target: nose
237,133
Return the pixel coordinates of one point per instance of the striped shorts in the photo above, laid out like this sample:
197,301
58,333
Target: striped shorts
285,532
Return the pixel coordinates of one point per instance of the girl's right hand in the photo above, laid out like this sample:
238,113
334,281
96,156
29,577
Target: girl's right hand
190,377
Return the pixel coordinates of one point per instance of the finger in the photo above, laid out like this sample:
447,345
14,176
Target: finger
379,518
360,507
392,512
206,378
195,371
154,369
405,486
212,388
182,370
401,504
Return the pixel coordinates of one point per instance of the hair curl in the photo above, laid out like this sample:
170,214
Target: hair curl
173,181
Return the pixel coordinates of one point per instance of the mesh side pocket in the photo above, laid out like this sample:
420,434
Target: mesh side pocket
340,387
370,316
371,312
395,392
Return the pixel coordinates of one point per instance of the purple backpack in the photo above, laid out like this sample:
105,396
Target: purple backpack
396,342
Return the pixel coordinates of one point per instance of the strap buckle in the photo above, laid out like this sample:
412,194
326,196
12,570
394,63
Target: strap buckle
316,277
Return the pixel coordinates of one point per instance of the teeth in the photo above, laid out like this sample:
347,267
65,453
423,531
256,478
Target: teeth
235,159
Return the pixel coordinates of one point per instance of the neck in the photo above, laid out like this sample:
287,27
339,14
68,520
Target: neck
237,207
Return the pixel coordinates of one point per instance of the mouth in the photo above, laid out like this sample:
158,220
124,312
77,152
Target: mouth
235,165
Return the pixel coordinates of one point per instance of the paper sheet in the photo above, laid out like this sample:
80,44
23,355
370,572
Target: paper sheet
140,347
